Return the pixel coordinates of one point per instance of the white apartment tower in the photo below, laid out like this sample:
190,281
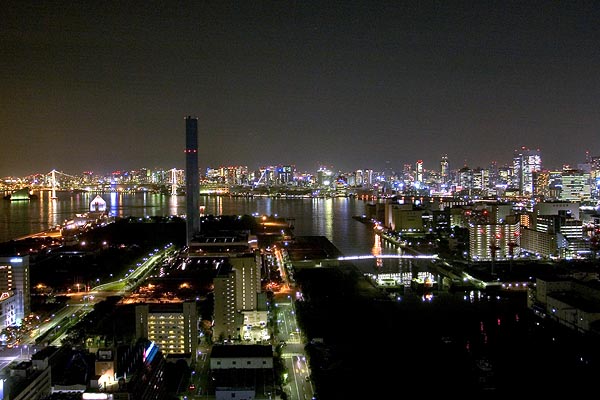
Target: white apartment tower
494,241
172,326
15,282
225,314
247,282
236,289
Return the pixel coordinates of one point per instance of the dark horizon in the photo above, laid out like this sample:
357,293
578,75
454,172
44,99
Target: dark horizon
354,85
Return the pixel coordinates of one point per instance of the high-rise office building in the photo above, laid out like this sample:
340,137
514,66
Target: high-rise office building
575,186
419,171
358,177
285,174
368,180
444,169
481,179
192,177
525,162
465,178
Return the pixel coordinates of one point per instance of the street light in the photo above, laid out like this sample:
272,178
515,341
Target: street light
21,348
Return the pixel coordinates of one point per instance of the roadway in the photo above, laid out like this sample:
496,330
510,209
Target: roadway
297,383
51,233
15,354
79,304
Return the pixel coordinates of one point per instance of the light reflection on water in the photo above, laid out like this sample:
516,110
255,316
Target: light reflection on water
323,217
332,218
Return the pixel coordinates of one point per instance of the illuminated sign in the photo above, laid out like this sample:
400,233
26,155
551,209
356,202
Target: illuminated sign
16,260
94,396
150,352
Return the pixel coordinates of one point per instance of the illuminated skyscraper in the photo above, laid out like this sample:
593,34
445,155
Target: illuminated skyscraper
192,178
525,162
359,177
575,186
419,171
368,179
444,169
15,290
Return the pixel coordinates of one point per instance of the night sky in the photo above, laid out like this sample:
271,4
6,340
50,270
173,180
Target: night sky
100,85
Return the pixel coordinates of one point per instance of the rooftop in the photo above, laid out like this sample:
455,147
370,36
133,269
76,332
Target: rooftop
235,351
46,352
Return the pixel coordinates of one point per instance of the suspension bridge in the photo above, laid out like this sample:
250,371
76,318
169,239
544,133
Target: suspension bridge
55,181
51,179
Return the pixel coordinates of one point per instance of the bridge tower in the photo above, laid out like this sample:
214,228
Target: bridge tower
53,196
174,182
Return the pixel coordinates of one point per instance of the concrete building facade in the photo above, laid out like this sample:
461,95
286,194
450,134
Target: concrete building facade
173,327
192,178
15,281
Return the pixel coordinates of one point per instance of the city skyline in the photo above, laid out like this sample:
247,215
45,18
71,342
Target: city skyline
589,161
354,85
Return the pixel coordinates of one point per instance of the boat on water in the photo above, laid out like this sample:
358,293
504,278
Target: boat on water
23,194
423,284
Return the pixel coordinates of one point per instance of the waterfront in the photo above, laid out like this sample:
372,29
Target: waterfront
428,337
330,217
